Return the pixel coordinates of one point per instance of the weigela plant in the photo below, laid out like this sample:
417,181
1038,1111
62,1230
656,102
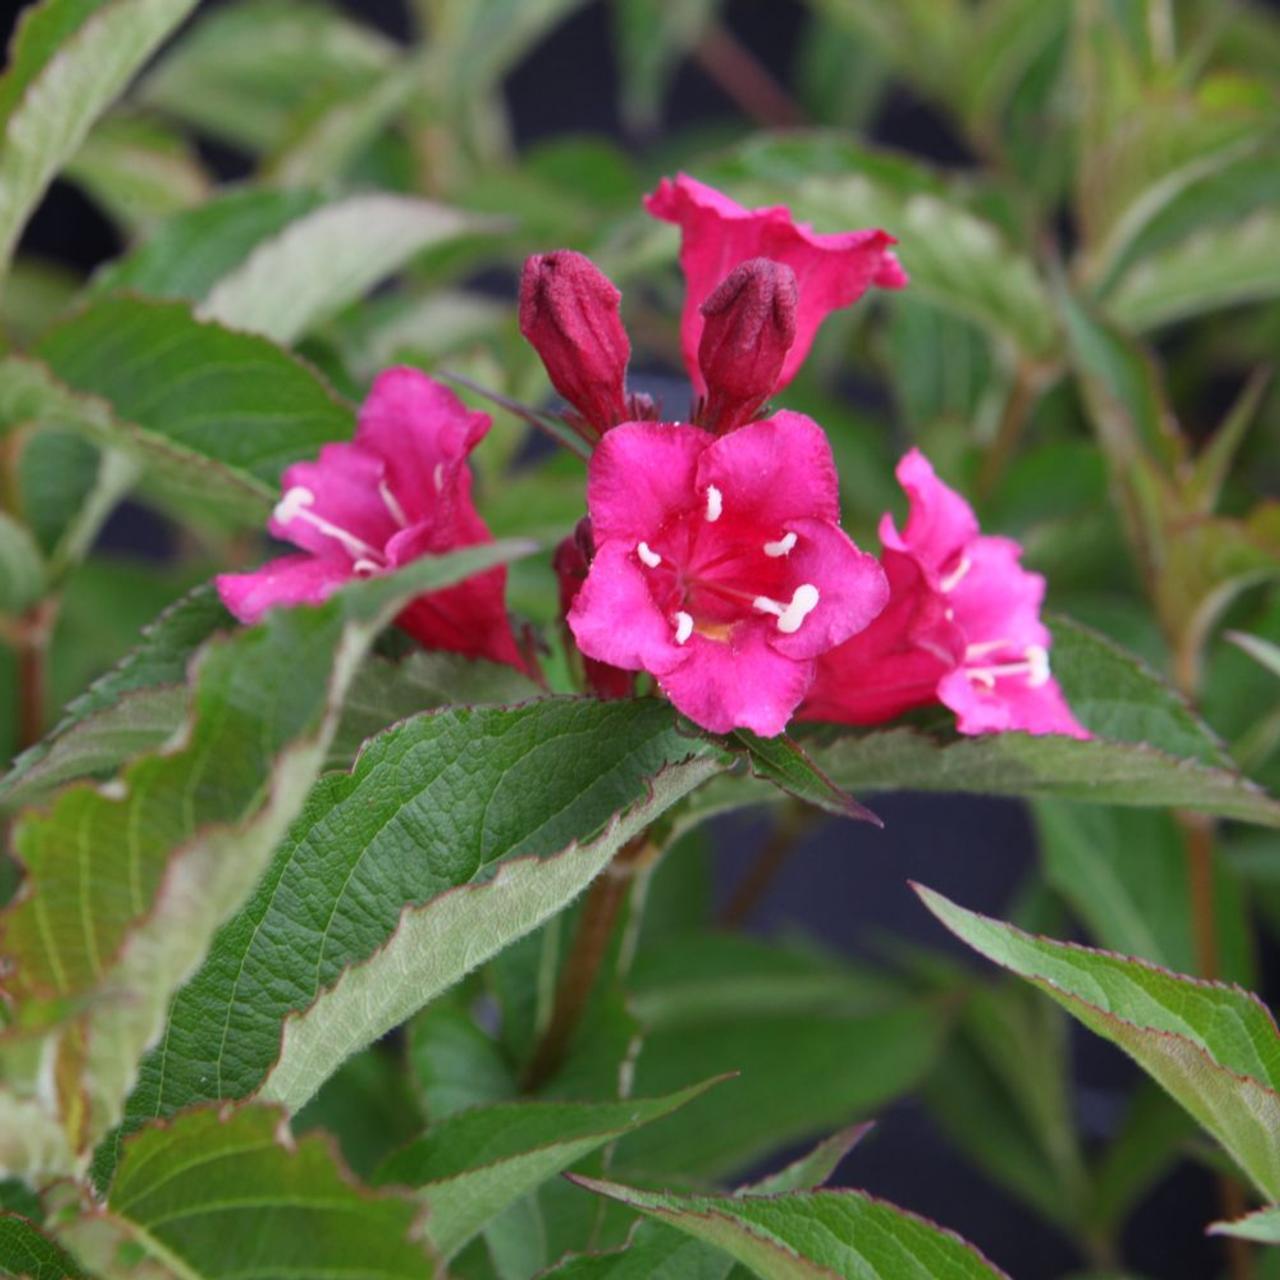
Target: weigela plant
404,635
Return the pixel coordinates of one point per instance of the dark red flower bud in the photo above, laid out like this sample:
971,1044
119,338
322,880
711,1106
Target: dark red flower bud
750,324
572,560
569,314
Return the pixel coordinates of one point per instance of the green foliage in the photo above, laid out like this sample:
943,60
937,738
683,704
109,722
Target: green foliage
275,893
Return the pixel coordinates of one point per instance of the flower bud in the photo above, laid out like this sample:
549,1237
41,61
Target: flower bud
750,324
572,560
569,314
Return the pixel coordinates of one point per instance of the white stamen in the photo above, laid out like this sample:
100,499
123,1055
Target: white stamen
392,505
290,506
365,566
437,476
1038,661
651,558
715,504
782,547
295,506
952,580
1034,666
684,626
949,614
803,603
981,650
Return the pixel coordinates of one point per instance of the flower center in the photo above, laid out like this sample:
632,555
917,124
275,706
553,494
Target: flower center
1031,662
296,504
709,570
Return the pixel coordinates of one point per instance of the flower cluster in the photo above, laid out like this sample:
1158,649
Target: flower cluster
712,556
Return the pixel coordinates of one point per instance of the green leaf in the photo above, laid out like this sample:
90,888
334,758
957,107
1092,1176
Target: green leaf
328,258
214,1195
26,1251
651,39
1214,269
1124,873
139,171
180,838
653,1251
190,252
1214,1048
811,1169
785,763
1262,651
159,370
1262,1226
247,69
100,723
21,566
816,1044
811,1235
70,60
470,1167
549,791
456,1065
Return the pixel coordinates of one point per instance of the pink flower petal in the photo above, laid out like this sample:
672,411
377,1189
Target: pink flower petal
941,523
743,683
344,512
774,471
640,475
424,433
469,618
895,664
852,586
289,580
717,234
997,599
614,618
1013,704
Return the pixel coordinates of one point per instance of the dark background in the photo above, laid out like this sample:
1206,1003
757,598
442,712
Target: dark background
848,883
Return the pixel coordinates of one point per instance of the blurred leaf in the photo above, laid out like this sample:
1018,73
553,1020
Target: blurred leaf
812,1234
454,1064
1211,467
1209,271
227,1194
1262,1226
1149,1143
69,60
139,171
26,1251
187,255
1261,651
326,259
651,39
471,1166
1124,873
368,1106
653,1251
840,77
21,567
547,783
1214,1047
36,292
245,69
816,1043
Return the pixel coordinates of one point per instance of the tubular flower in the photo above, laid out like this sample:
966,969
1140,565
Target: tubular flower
720,566
400,490
571,561
831,271
962,628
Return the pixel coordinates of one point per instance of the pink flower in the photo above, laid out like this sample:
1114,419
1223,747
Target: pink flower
400,490
962,627
717,234
720,566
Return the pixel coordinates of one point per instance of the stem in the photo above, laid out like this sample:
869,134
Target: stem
776,852
1013,417
745,80
32,644
582,966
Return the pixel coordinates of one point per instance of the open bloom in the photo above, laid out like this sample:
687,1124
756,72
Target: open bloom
717,234
400,490
720,566
962,627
